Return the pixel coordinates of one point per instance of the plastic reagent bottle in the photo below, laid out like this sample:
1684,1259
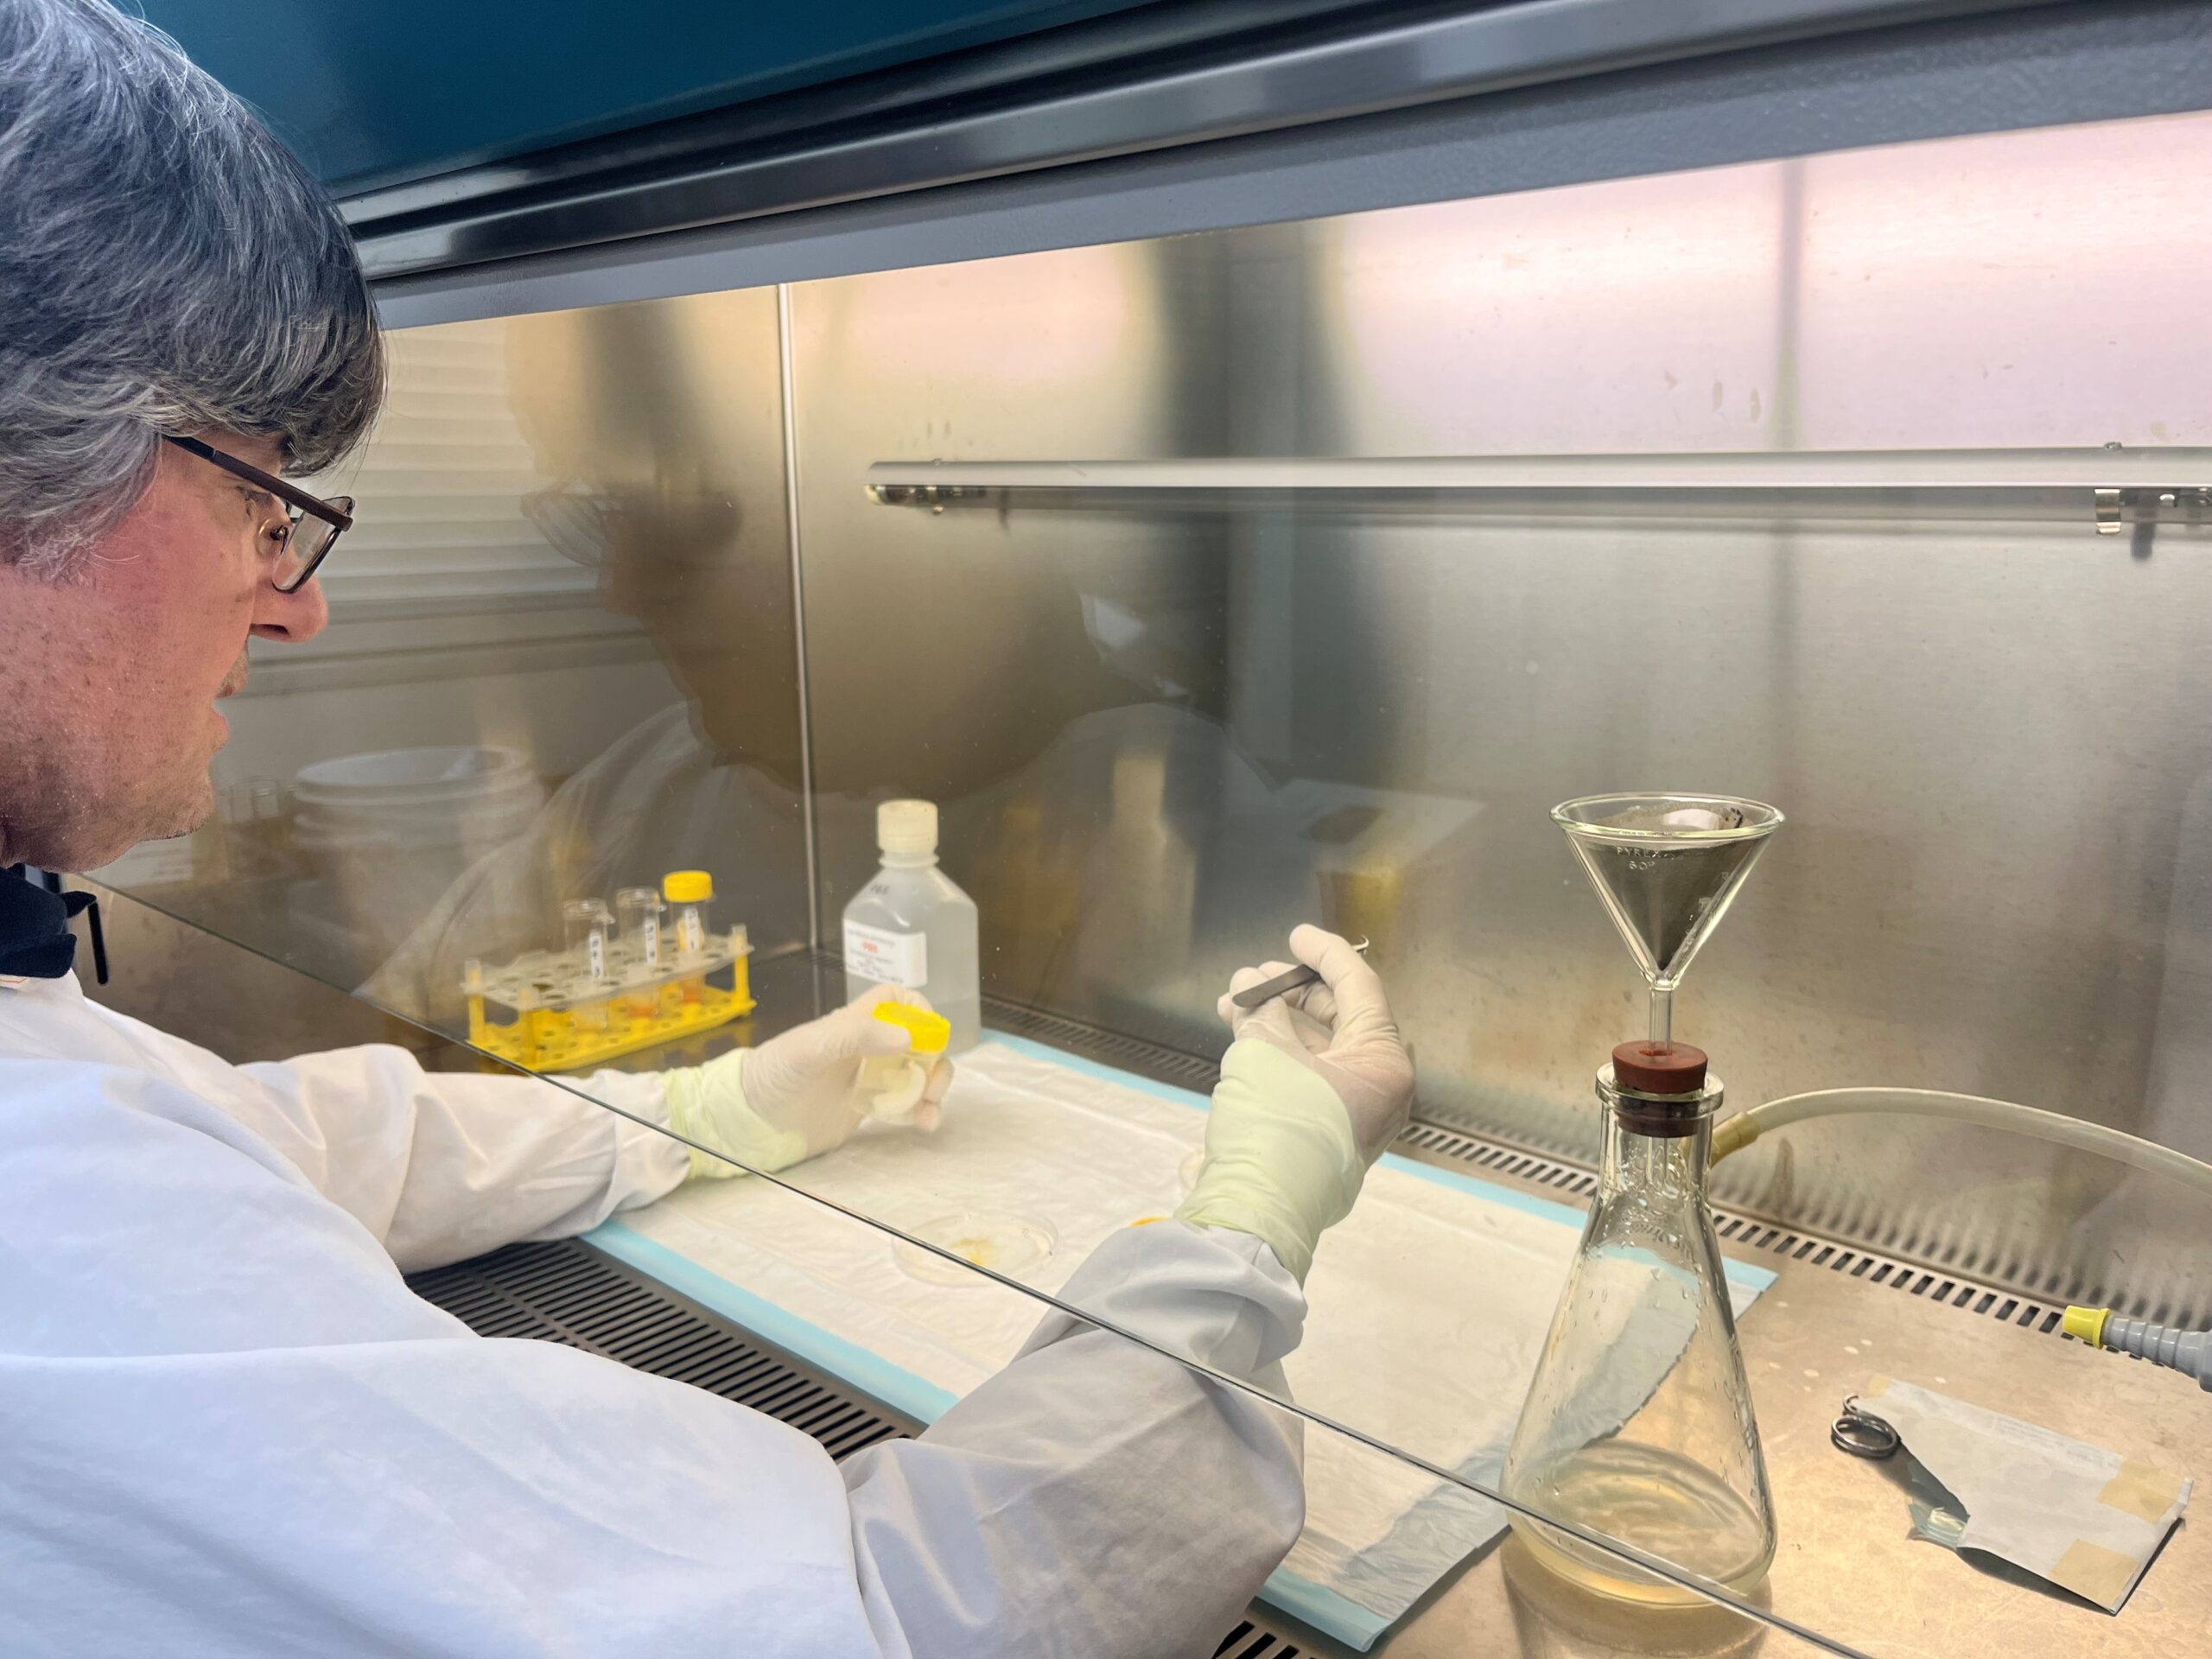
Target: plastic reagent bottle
911,925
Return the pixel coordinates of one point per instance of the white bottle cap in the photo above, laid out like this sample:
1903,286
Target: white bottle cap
906,829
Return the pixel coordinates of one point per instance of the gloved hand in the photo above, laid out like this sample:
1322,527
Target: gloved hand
791,1097
1317,1084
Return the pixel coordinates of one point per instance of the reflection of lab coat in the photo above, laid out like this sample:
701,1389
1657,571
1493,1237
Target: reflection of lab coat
231,1428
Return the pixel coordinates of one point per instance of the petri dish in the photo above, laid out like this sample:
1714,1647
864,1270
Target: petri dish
1009,1244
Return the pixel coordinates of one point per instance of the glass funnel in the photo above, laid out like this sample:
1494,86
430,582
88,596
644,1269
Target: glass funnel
1666,867
1638,1423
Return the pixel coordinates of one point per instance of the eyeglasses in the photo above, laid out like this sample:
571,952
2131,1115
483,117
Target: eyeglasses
313,524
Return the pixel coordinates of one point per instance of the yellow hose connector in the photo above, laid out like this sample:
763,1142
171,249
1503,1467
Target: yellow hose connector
1733,1134
2086,1324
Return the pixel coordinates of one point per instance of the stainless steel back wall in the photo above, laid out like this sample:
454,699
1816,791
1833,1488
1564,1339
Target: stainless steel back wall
1162,735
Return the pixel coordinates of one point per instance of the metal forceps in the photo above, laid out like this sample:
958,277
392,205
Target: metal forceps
1282,984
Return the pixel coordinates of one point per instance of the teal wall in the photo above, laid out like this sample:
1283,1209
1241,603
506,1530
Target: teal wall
372,92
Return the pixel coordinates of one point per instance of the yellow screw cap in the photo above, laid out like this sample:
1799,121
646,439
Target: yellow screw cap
931,1032
687,886
2085,1323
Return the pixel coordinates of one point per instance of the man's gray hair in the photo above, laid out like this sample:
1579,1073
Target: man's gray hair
166,266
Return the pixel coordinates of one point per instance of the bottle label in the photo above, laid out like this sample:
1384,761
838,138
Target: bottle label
888,958
649,940
595,954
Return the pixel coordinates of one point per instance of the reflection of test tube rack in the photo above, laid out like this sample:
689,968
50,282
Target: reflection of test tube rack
607,992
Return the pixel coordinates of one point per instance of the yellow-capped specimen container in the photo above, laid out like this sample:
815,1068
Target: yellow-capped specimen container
890,1085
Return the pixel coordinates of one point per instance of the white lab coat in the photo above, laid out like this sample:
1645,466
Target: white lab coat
226,1426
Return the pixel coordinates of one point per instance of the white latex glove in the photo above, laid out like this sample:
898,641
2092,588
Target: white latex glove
1317,1084
1340,1028
791,1098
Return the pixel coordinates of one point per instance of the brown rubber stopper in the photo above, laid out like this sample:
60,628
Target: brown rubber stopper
1652,1068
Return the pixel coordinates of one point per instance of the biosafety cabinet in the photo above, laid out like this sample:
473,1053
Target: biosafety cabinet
1246,469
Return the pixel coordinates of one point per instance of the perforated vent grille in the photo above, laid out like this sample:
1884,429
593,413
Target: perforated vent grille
1131,1053
1251,1640
569,1292
1747,1232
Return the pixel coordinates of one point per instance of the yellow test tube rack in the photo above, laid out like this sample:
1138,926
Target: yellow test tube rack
566,1019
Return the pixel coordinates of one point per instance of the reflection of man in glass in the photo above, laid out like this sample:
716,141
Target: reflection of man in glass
1094,802
678,509
663,426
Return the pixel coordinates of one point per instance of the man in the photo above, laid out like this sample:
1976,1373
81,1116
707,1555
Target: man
227,1425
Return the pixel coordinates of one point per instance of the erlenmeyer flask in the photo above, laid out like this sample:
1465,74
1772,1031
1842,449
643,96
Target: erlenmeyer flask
1638,1423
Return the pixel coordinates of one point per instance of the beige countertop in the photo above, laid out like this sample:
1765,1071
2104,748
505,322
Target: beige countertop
1847,1567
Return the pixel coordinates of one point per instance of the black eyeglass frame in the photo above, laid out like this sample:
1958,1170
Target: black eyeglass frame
338,513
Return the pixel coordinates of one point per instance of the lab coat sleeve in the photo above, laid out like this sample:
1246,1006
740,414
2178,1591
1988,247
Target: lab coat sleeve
439,1166
1097,1497
444,1166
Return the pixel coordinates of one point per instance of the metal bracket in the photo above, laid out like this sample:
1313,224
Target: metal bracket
1993,484
934,497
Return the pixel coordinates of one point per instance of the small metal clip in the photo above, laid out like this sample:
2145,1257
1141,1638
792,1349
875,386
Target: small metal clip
1863,1434
2108,511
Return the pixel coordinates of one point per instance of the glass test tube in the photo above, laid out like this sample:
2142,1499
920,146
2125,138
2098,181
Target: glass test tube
639,911
690,892
741,976
267,796
589,926
472,981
